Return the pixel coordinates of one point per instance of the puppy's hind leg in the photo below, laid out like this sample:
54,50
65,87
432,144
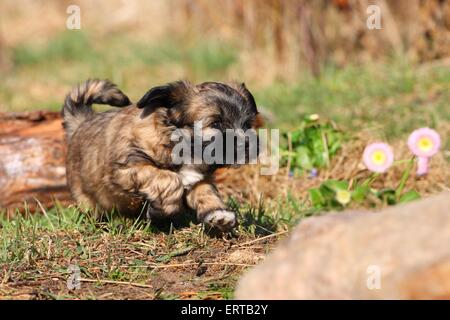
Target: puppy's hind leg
150,211
86,205
162,189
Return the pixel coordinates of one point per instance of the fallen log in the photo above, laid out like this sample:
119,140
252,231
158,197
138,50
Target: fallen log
32,161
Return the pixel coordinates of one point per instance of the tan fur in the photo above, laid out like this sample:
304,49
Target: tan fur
121,160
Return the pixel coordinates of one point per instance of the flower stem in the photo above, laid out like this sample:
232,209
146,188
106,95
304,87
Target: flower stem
370,179
422,166
404,178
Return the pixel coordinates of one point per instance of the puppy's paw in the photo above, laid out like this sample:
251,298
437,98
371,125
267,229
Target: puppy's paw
151,212
222,219
168,210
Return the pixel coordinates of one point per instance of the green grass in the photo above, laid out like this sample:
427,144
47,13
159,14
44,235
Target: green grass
392,98
69,46
386,99
74,56
39,248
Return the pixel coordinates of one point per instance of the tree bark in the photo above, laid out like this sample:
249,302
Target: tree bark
32,161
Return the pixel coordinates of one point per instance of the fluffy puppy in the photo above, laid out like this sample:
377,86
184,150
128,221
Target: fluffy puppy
121,159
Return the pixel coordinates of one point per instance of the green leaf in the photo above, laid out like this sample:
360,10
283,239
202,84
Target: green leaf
176,253
335,185
411,195
296,136
360,193
303,159
317,198
327,192
388,196
314,143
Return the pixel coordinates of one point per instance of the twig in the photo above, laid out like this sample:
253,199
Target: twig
134,284
260,239
45,213
206,263
135,252
145,245
6,276
179,265
325,147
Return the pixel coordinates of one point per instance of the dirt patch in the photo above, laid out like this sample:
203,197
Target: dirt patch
181,265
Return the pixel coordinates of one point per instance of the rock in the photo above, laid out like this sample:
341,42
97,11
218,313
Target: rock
245,256
402,252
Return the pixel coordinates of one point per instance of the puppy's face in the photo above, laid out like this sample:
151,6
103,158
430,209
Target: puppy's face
215,108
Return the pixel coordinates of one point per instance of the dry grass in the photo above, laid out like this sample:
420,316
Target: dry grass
119,262
347,165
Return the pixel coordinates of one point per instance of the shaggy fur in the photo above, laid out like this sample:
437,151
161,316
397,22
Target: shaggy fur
121,159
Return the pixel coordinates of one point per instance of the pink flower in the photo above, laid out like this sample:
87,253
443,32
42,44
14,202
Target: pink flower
424,143
378,157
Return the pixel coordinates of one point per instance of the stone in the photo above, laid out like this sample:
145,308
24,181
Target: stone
401,252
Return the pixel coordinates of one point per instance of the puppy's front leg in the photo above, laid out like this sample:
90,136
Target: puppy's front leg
205,199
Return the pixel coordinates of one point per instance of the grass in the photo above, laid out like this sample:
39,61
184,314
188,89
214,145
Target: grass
391,98
356,97
157,263
394,98
73,56
123,259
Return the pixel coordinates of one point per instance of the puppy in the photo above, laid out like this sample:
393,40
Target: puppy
122,159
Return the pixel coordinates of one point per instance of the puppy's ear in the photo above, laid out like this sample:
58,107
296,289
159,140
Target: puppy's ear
167,96
242,89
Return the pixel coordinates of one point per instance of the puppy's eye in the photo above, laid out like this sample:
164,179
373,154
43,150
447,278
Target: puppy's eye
247,125
216,125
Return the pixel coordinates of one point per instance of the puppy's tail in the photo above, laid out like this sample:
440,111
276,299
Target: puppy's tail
78,103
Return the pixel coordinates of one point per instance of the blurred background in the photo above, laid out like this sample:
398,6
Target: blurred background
318,73
298,57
